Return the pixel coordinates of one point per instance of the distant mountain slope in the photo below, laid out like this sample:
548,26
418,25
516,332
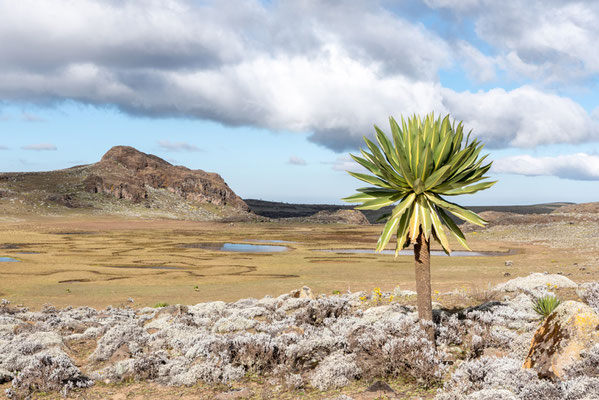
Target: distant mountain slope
579,208
273,209
125,180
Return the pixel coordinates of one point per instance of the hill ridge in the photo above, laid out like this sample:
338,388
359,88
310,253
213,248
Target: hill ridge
137,183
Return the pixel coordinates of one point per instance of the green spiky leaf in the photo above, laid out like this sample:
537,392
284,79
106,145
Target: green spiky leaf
423,160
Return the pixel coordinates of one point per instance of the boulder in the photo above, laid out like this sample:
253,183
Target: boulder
378,390
306,293
535,281
5,376
303,293
557,344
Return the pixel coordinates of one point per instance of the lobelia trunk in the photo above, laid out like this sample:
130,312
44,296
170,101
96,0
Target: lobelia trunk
423,284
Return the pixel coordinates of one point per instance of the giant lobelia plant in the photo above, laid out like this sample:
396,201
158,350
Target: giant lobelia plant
426,159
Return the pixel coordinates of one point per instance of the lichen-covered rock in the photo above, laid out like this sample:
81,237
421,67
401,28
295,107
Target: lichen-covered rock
557,344
306,293
535,281
303,293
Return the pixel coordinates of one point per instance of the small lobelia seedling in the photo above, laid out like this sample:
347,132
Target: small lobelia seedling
545,305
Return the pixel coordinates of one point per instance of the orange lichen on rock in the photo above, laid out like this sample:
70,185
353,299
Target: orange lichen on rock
558,343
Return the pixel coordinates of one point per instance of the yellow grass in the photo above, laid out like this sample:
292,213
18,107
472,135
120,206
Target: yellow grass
77,256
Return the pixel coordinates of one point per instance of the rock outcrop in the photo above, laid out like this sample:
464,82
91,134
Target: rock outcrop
126,173
340,216
558,343
534,281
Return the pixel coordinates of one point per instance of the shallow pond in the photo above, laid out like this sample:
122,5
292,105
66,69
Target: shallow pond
411,252
252,248
8,259
237,247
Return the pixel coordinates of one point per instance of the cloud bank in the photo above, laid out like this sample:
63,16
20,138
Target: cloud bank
551,39
579,166
331,74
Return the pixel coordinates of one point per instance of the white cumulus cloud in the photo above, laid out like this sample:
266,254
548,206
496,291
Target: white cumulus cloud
177,146
549,40
523,117
331,73
479,67
294,160
579,166
40,147
346,163
31,118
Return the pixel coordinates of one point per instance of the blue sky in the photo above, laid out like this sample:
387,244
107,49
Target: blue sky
274,95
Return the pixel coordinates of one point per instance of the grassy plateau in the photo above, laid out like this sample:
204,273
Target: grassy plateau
99,261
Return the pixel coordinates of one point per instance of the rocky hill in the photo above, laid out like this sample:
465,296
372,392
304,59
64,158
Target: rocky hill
353,217
125,172
125,181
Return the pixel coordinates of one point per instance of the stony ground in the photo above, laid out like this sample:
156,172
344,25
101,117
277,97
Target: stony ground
559,230
291,346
